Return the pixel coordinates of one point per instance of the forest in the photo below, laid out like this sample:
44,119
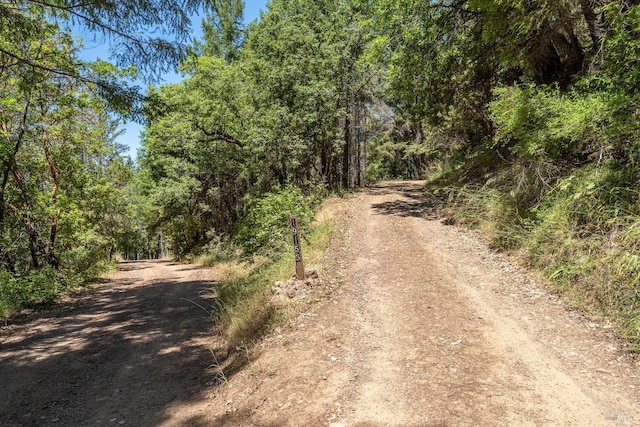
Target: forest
523,117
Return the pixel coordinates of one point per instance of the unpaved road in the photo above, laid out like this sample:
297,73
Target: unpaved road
425,327
134,352
421,325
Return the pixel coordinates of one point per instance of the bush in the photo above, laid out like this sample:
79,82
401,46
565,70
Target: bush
536,123
218,249
87,259
266,226
37,288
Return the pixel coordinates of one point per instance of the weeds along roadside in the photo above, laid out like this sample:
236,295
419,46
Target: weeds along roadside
243,308
579,226
41,288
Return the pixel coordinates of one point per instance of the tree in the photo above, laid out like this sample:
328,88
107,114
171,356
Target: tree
311,61
287,105
438,78
128,33
59,166
223,30
195,155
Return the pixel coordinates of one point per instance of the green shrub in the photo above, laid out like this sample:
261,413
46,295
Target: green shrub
86,259
267,226
217,250
535,123
38,287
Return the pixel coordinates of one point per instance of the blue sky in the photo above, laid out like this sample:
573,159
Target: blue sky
131,135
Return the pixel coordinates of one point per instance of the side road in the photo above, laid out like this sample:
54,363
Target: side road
136,351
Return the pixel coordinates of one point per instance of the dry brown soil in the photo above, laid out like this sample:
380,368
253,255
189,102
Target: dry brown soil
134,351
419,325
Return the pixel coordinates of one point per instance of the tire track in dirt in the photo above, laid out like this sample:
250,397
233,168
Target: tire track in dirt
433,348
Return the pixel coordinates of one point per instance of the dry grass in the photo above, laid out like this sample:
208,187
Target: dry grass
244,294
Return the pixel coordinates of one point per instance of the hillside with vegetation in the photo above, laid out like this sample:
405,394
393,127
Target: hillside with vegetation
522,116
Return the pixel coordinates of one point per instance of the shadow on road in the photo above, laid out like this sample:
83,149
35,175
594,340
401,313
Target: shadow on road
412,203
133,265
128,354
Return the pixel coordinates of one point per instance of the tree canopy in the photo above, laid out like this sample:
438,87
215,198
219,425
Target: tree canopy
150,34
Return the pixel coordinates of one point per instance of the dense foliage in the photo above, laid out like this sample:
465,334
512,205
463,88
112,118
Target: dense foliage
65,192
288,107
523,114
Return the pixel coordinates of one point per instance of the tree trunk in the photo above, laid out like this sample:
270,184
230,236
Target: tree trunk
594,23
7,166
49,250
346,154
357,141
36,245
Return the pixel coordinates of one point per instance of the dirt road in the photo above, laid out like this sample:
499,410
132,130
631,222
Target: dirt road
421,325
425,327
134,352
